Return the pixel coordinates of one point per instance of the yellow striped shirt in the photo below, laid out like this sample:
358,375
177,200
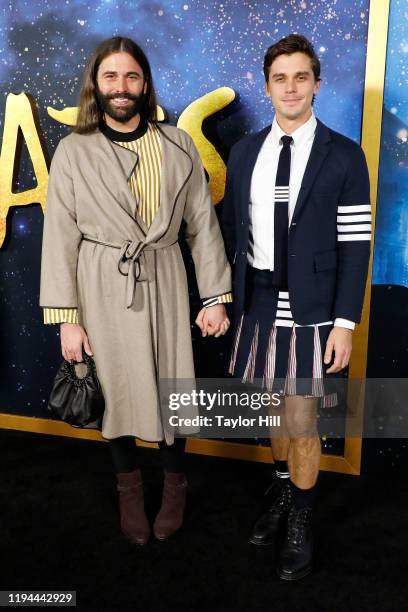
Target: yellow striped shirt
145,185
60,315
145,180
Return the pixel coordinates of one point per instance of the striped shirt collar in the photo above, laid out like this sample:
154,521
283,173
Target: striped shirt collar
300,135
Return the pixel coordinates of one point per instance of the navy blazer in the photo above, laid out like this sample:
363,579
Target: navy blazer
327,270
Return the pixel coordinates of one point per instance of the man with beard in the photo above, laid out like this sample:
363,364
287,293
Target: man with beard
112,272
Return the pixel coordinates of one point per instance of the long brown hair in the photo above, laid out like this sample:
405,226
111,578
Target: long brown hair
89,114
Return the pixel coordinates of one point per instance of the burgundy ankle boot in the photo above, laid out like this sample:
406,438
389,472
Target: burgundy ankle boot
170,517
133,520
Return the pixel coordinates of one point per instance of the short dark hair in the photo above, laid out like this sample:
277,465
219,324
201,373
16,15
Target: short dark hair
294,43
89,114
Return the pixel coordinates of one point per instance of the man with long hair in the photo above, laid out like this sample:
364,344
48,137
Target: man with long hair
298,227
112,272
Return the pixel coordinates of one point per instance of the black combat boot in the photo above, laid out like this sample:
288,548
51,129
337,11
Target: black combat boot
295,559
266,528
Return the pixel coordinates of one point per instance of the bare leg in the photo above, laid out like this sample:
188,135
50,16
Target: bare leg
280,448
280,443
304,448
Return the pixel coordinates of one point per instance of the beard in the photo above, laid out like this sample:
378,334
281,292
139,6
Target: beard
115,112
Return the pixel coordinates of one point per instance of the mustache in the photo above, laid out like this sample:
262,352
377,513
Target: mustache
123,95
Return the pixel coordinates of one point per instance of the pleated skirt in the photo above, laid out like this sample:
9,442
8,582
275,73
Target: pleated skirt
275,353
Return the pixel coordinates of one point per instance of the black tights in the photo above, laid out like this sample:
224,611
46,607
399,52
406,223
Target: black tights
126,457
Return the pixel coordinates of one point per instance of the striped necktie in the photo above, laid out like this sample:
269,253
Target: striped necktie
281,214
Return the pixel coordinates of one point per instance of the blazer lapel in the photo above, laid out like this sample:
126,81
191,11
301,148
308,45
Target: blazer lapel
248,168
320,149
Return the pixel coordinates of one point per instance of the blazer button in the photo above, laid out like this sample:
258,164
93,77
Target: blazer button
243,252
293,224
292,255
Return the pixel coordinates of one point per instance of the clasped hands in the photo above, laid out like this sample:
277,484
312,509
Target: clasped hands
213,321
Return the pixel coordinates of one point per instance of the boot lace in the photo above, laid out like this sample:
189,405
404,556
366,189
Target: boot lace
296,525
283,498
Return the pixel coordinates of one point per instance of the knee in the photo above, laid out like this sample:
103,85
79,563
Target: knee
301,429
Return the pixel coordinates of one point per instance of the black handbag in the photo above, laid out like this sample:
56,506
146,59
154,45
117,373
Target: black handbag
77,401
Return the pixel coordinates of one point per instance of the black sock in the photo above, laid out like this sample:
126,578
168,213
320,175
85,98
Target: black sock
172,455
303,498
124,454
281,470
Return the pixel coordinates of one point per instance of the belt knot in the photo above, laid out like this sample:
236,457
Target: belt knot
129,265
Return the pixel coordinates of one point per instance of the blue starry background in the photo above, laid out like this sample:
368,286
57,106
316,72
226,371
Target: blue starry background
388,337
391,239
194,47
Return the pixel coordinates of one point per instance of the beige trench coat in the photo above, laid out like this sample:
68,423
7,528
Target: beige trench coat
128,281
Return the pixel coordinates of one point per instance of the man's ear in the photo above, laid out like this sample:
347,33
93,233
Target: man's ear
267,90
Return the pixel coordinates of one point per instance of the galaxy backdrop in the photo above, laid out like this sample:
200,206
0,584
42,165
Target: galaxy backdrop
194,47
388,335
391,240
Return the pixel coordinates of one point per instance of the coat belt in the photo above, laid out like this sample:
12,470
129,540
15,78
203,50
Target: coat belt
128,263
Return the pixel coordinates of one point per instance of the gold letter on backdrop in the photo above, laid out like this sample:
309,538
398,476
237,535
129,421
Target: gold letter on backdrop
191,120
19,115
68,115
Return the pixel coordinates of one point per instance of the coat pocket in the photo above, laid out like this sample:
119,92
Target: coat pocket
325,260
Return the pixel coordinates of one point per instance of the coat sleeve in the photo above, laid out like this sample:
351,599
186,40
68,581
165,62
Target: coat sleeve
353,239
61,237
203,234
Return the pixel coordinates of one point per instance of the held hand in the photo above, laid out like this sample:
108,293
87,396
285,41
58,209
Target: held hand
199,320
213,320
339,341
73,338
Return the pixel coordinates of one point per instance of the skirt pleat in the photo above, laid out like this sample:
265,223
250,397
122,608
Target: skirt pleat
269,349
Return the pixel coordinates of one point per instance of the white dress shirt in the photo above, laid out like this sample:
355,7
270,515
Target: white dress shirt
262,196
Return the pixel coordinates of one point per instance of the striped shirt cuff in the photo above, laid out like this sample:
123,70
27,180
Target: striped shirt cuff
225,298
60,315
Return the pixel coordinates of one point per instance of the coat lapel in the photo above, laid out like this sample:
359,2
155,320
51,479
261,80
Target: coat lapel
176,169
320,149
120,164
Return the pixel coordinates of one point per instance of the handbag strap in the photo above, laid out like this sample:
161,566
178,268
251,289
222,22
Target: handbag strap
69,367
